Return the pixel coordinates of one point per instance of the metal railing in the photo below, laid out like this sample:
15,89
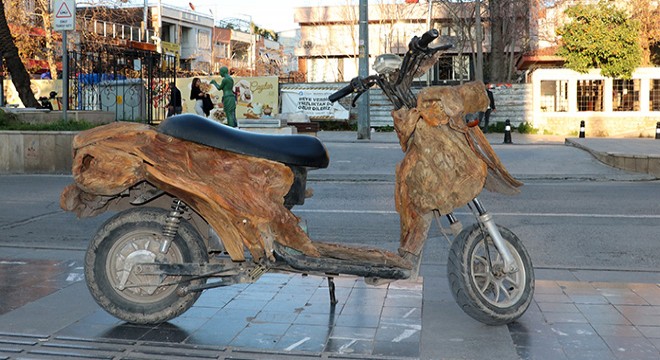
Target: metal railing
119,31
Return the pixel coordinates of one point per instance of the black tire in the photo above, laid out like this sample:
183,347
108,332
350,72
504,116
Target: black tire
134,236
485,294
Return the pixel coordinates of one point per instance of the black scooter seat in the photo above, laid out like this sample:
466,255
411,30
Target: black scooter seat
298,150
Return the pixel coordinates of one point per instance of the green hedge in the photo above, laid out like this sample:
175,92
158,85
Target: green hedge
9,121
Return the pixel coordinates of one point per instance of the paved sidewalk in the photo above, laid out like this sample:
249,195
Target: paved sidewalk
640,155
574,315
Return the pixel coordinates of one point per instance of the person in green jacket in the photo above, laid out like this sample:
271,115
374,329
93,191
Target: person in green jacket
228,97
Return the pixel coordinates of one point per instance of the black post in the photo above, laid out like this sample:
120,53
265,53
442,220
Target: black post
2,82
331,289
657,130
507,132
582,129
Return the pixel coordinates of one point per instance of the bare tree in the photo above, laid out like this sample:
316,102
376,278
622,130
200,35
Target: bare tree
15,66
508,24
331,33
43,12
463,16
647,13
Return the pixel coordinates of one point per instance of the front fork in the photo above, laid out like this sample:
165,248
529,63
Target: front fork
486,221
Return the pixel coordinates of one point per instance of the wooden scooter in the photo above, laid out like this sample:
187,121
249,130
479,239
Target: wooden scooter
198,200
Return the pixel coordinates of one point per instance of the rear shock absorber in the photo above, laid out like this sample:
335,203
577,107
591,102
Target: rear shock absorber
171,226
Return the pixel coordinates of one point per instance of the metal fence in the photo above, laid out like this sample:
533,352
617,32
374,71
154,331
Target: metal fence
129,82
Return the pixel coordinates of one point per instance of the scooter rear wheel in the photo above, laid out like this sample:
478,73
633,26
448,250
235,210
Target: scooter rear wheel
480,287
132,237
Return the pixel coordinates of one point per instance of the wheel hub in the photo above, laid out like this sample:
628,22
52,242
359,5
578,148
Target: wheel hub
135,249
494,284
129,267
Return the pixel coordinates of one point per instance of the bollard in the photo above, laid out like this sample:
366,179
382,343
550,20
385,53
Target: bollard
657,130
582,129
507,132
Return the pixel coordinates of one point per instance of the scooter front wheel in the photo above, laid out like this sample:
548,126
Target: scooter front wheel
478,282
130,238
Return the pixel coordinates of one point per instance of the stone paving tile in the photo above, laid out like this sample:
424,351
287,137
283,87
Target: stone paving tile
288,313
558,317
285,312
607,330
602,314
590,320
650,331
22,282
631,348
649,292
558,307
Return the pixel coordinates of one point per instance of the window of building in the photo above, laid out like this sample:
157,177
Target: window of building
461,67
554,95
446,29
444,68
654,95
625,95
203,39
590,95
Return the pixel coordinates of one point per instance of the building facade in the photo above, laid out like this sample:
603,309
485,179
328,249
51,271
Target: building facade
187,33
329,40
562,98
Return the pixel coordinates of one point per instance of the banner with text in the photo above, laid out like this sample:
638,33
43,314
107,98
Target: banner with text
313,103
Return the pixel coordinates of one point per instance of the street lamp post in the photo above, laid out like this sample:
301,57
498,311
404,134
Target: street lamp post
144,20
364,126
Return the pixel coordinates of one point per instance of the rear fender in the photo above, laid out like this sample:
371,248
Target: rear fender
142,194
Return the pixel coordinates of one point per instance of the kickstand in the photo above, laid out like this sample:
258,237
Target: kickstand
331,289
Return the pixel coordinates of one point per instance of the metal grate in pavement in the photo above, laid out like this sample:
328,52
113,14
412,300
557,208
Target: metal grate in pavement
37,347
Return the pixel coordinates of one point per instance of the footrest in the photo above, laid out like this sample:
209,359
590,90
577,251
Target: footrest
346,260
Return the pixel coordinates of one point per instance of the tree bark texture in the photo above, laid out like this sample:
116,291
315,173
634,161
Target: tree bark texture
241,197
15,66
446,164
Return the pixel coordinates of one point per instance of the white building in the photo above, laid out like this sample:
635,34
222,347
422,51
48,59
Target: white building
189,31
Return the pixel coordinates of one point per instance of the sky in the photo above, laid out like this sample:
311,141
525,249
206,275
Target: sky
269,14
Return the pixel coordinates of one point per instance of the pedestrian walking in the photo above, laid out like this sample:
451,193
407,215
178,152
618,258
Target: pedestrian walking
174,107
484,117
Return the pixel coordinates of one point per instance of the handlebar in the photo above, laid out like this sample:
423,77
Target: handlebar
397,87
427,38
346,90
443,47
357,85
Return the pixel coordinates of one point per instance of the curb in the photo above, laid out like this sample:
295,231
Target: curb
646,164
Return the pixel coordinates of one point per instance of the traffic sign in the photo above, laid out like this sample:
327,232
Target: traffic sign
64,15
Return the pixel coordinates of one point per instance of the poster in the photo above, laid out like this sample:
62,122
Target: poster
256,97
314,103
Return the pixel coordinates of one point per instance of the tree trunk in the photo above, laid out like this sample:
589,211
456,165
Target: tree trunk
511,44
19,75
50,45
497,62
479,66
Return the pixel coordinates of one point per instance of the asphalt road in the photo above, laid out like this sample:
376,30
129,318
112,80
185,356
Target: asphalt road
573,212
564,224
